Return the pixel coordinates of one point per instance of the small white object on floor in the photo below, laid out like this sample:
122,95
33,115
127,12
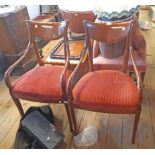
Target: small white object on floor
87,137
145,25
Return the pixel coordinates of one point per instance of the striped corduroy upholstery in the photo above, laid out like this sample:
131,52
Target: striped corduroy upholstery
40,84
109,90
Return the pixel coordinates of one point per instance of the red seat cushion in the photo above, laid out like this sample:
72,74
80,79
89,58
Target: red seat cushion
106,90
101,63
40,84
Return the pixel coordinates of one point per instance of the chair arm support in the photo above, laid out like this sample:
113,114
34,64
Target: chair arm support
81,69
14,65
64,75
139,80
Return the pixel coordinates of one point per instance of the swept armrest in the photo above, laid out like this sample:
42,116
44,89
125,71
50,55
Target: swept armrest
78,72
66,71
13,66
139,80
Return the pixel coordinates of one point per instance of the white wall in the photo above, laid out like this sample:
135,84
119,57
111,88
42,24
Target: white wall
33,10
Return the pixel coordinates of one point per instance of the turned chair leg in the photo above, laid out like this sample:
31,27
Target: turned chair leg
142,74
18,105
73,119
69,117
136,121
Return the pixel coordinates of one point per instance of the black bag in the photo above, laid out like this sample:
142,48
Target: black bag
3,65
25,139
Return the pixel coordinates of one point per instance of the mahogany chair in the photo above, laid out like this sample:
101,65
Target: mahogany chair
113,61
76,19
44,83
107,91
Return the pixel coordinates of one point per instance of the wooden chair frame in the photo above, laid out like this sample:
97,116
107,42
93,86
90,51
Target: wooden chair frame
83,68
49,31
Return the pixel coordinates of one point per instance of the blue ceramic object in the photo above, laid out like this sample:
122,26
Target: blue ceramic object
114,16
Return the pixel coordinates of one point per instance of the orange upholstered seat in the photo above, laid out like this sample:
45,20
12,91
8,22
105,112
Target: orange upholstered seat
35,86
107,90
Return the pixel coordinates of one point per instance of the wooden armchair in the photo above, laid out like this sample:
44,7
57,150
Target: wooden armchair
76,19
44,83
107,91
113,60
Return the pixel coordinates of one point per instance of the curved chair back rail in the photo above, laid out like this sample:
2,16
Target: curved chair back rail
76,19
108,33
49,31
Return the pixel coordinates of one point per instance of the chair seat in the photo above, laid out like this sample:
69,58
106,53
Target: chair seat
101,63
41,84
109,91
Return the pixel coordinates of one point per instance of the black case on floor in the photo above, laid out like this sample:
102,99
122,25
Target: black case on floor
37,130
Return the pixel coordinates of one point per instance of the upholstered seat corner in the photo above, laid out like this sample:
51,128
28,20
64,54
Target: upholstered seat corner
42,83
108,89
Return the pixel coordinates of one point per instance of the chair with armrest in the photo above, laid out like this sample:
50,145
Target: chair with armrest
44,83
107,91
139,47
76,19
